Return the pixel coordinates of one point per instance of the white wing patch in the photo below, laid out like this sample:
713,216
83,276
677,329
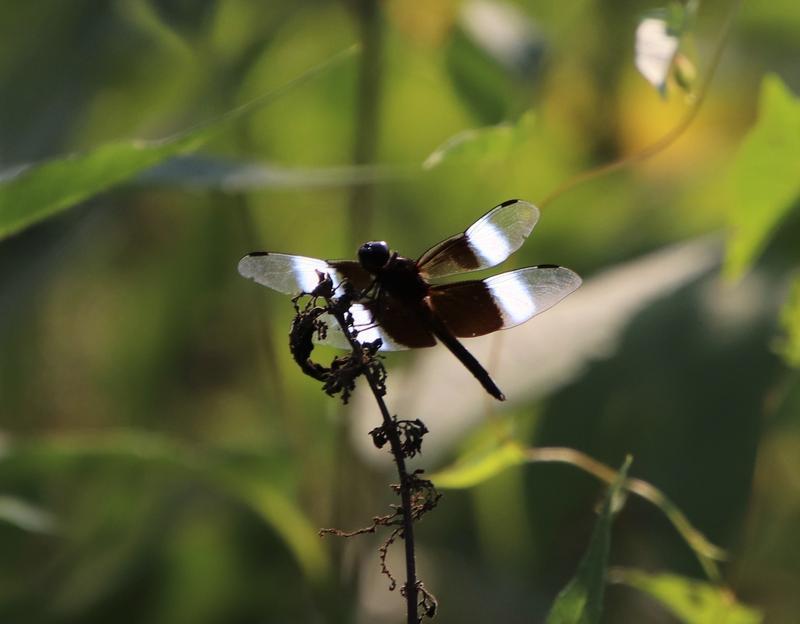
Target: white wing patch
527,292
513,298
489,244
501,231
286,273
368,331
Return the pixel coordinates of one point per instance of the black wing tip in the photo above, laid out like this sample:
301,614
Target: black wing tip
257,253
576,279
508,202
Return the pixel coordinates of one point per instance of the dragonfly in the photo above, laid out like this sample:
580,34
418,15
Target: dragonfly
398,303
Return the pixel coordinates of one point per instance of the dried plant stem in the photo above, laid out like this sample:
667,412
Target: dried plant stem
411,589
405,499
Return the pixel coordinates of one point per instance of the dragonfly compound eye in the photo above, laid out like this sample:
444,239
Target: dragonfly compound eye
373,255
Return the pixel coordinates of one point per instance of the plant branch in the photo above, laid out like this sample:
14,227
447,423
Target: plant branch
669,138
418,495
406,481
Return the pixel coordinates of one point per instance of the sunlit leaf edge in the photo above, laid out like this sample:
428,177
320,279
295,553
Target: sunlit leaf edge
476,144
691,600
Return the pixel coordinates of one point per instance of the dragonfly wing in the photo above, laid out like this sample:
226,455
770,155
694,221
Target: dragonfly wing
479,307
486,243
292,274
285,273
398,330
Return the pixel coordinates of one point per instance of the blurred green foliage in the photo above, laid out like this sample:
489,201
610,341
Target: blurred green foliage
161,457
764,179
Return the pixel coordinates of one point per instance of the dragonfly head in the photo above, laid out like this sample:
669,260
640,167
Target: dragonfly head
374,255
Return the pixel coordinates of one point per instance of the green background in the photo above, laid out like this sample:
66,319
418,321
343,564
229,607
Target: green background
163,460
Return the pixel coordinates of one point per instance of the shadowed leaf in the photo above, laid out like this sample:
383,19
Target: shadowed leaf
581,601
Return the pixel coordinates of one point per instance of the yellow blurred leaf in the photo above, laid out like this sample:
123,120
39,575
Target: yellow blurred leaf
474,470
788,346
690,600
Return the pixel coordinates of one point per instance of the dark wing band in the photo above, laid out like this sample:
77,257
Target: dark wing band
398,326
475,308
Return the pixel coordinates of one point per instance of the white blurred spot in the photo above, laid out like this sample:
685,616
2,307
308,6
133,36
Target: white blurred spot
655,50
501,29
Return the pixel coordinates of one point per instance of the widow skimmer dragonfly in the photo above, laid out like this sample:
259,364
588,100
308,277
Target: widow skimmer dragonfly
399,305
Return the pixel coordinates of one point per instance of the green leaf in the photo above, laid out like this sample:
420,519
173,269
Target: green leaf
492,142
478,79
474,470
690,600
493,68
40,191
788,346
581,601
765,176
